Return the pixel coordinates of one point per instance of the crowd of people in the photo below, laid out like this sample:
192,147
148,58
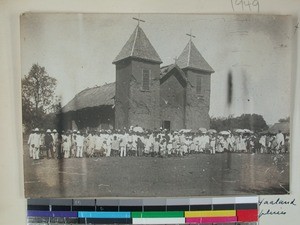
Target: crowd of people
158,143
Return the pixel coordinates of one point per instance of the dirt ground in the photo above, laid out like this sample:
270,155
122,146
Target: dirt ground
191,175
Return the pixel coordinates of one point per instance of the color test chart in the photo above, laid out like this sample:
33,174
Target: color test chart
218,210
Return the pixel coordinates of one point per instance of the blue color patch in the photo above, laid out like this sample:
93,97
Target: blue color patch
104,215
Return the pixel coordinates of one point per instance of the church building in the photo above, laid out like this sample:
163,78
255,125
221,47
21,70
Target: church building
174,97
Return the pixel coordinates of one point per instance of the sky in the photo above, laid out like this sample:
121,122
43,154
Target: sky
78,50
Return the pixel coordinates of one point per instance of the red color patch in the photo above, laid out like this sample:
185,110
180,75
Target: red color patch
248,215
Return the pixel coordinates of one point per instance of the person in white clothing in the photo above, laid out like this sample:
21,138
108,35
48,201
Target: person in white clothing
129,143
30,144
170,144
148,145
175,143
108,144
66,148
91,140
213,142
55,140
115,145
279,140
205,143
197,141
99,140
79,145
36,143
123,144
263,145
155,147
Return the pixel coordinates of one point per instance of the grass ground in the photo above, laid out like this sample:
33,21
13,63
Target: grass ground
192,175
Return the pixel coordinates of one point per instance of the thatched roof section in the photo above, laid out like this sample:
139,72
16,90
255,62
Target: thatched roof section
284,127
92,97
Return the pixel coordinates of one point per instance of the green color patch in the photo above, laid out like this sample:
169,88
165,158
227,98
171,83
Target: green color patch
170,214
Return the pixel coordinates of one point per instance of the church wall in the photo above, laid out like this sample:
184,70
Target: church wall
123,74
144,106
197,105
172,101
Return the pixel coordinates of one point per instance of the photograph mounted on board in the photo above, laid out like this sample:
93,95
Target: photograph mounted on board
148,105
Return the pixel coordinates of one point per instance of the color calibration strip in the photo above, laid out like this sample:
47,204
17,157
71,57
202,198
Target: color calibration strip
146,211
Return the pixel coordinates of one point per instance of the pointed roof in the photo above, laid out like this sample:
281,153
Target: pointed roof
138,46
167,71
191,58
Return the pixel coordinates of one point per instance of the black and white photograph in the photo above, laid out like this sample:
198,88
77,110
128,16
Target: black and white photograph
155,105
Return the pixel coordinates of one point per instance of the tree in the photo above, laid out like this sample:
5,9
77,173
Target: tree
253,122
287,119
38,96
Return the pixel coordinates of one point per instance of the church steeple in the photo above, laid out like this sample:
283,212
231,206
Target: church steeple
137,98
138,46
192,59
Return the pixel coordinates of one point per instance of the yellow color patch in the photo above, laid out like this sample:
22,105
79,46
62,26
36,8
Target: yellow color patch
215,213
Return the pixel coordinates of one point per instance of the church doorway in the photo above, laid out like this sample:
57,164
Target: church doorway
166,124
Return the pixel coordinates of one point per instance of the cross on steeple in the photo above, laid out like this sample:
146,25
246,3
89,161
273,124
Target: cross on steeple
191,35
175,60
139,20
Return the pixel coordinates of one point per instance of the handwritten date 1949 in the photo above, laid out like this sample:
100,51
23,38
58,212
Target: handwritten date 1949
245,5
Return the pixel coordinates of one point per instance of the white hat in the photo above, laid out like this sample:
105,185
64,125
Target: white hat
36,129
54,131
48,131
78,132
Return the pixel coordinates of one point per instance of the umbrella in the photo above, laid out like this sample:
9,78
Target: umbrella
248,131
212,131
138,129
239,131
185,130
225,132
203,130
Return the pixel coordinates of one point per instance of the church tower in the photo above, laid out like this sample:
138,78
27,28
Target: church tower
198,74
137,83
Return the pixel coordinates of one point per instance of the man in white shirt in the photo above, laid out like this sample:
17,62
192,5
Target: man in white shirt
35,143
279,140
55,140
123,144
30,144
262,142
79,145
91,140
108,140
205,142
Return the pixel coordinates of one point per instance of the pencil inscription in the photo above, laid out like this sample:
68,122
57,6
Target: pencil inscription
245,5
